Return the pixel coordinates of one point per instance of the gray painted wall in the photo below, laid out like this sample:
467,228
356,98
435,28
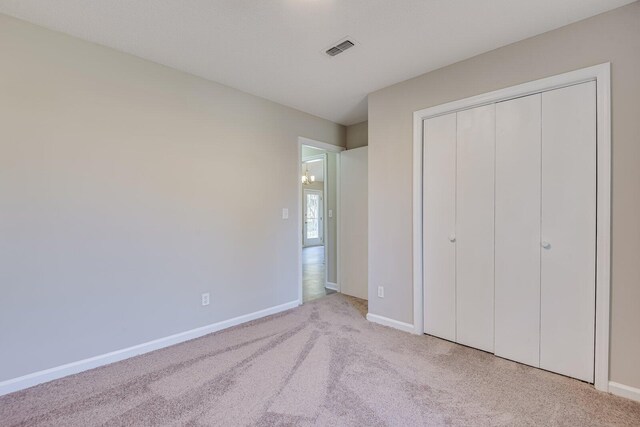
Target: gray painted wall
126,190
614,37
358,135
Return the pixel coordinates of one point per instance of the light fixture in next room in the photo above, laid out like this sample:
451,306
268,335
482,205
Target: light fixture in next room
306,178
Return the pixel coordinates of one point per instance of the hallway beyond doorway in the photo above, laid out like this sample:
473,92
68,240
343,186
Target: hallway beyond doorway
313,273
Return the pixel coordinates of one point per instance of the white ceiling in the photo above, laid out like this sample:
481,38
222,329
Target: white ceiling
274,48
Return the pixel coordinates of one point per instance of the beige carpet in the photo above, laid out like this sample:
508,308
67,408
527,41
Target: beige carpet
320,364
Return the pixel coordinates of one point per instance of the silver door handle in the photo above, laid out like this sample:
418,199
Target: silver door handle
546,245
452,238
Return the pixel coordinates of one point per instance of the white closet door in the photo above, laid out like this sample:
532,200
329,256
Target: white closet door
439,201
474,226
568,230
517,252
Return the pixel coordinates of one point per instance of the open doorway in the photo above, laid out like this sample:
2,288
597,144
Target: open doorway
315,184
318,219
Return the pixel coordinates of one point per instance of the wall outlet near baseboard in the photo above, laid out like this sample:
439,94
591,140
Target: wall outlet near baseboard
205,298
380,291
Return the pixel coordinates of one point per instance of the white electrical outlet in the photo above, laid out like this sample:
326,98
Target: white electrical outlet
285,213
205,298
380,291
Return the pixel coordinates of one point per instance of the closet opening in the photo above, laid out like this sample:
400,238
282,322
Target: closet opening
527,202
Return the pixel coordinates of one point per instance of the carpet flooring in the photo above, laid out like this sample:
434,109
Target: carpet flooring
319,364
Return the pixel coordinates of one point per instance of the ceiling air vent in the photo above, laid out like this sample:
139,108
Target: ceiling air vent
341,47
333,51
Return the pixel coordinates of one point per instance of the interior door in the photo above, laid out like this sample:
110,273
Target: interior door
354,222
474,226
567,295
439,226
313,227
517,244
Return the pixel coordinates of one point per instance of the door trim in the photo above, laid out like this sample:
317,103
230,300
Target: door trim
601,74
333,149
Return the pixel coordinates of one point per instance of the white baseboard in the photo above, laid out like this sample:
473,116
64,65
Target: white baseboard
332,286
406,327
29,380
624,391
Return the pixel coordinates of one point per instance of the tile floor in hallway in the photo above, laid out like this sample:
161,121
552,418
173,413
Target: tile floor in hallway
313,273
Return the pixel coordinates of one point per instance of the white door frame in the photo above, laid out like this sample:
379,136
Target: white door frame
333,149
601,74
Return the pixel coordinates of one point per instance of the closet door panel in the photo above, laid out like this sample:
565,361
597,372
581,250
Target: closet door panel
568,230
474,226
517,227
439,186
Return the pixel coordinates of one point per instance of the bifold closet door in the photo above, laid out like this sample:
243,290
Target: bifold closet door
474,226
517,244
439,212
567,293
